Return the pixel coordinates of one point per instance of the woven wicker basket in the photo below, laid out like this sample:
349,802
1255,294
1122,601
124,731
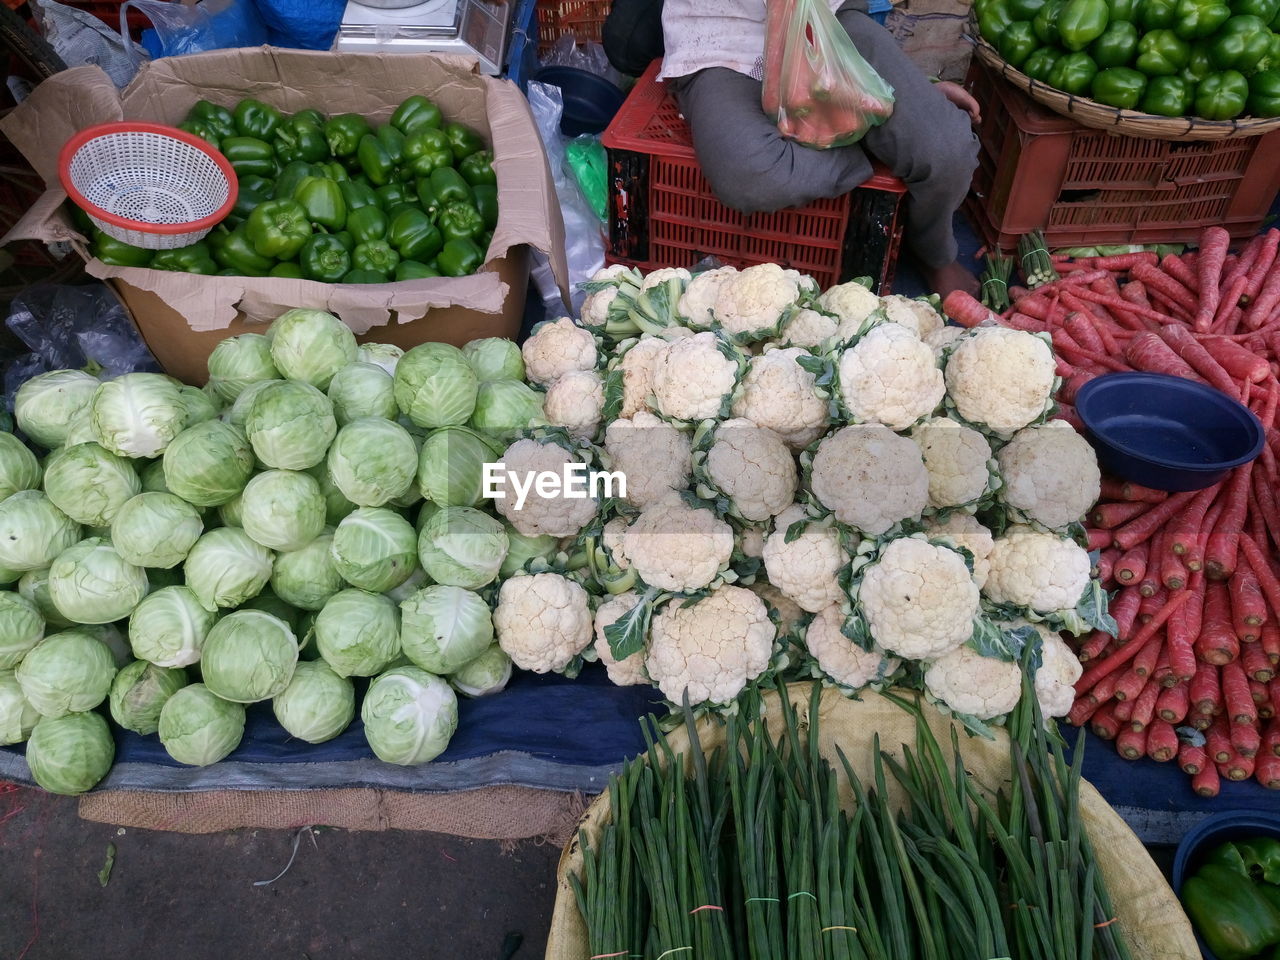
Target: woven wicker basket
1130,123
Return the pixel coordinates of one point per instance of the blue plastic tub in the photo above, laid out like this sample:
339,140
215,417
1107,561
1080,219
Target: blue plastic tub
1165,432
590,101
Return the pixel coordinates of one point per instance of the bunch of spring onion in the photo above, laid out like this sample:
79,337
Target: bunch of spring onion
1033,258
995,282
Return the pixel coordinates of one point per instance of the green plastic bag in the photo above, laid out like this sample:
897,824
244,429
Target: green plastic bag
585,158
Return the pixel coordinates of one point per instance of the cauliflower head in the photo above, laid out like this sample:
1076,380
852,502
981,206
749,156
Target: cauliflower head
918,316
967,682
674,546
964,530
635,375
611,535
576,402
958,460
1050,474
839,657
869,477
542,621
557,515
852,303
654,456
751,466
1000,378
630,671
1037,571
790,617
597,306
710,649
809,329
942,338
780,395
919,599
695,378
753,303
890,376
558,347
698,302
1055,681
807,570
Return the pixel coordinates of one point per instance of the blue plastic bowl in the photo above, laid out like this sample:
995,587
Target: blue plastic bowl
1211,833
590,101
1165,432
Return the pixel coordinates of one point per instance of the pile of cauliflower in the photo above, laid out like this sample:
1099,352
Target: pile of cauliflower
831,484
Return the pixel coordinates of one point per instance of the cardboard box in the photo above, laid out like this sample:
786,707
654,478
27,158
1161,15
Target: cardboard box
183,316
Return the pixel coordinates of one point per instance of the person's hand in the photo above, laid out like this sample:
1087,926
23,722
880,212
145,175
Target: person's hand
961,98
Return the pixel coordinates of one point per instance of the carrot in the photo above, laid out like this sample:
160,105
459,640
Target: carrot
1135,292
1020,321
1068,414
1205,690
1108,516
1162,742
1191,758
1255,663
1131,744
1061,368
1104,724
1113,489
1017,293
1171,309
1217,643
1248,606
1122,710
1083,331
1267,772
1094,644
1262,699
1268,297
1270,643
1271,738
1184,343
1222,548
1184,628
1098,539
1144,706
1173,574
1236,697
1236,360
1151,604
1109,332
1213,251
1257,524
1106,565
1187,525
1159,282
1195,555
1206,782
1035,304
1163,673
1132,565
1082,710
1174,267
1146,351
1228,304
1217,741
1067,392
1173,703
1078,355
1237,768
1129,649
1267,506
1273,687
1124,608
1245,739
1262,264
1125,261
965,310
1199,721
1141,529
1144,310
1267,580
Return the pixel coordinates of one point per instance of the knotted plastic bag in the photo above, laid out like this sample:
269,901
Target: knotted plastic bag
817,87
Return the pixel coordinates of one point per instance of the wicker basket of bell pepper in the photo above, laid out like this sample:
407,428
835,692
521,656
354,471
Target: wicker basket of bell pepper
1168,69
338,200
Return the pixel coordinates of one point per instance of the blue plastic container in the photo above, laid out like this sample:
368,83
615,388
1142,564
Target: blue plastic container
1166,432
590,101
1211,833
522,52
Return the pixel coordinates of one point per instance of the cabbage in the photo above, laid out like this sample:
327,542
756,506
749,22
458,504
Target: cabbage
317,705
522,549
462,547
290,425
138,415
494,358
409,716
306,577
226,567
451,465
358,633
238,413
362,390
45,405
200,406
373,461
33,531
80,429
66,673
21,628
199,728
19,468
435,386
231,513
152,476
70,754
336,505
34,586
168,627
375,549
248,656
156,530
89,484
282,509
239,362
311,346
91,583
484,676
111,637
268,602
505,407
139,691
208,464
444,628
385,355
17,716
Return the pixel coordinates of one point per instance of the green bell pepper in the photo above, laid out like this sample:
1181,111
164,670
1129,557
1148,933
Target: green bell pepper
427,150
286,271
486,200
414,236
253,191
118,253
1162,53
427,198
324,258
300,139
197,128
345,238
478,168
1264,10
218,119
1025,9
1158,14
393,194
1264,99
1166,97
1045,24
249,155
1198,67
253,118
460,221
193,258
1198,19
334,171
292,176
1118,87
463,141
1081,22
1126,10
1261,858
1073,73
1016,44
1038,67
367,224
233,251
1240,45
310,114
413,270
357,195
1230,912
993,19
344,132
459,258
278,228
366,276
447,186
1117,45
396,209
414,114
392,141
375,161
1221,96
322,199
375,255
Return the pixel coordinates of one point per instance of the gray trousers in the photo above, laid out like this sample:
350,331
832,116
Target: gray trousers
927,142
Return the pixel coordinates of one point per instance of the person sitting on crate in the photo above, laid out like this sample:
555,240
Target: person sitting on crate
714,59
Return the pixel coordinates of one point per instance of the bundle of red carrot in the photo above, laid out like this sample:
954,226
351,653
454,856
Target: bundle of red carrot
1194,674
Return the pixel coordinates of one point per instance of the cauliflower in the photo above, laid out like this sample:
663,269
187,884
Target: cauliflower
1037,571
808,569
966,682
751,541
695,377
611,536
781,395
753,304
919,599
958,459
749,465
556,348
1050,474
839,657
674,546
942,338
965,531
711,649
633,375
615,272
557,515
699,298
576,402
597,306
790,616
1001,379
654,456
869,477
623,673
889,376
918,316
853,304
665,275
808,328
542,621
1059,670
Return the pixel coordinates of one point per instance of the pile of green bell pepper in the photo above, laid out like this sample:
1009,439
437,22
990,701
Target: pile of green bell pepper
339,199
1214,59
1233,899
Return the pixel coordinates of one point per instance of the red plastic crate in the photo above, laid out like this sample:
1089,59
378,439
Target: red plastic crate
663,212
1040,170
581,19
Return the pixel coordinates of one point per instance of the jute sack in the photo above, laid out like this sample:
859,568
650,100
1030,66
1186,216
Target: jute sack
1147,911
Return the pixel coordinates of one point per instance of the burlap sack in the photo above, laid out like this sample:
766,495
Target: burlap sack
1146,909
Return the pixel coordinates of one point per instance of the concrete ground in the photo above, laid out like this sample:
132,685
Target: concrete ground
390,896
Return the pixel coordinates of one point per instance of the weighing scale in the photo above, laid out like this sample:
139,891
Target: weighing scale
477,28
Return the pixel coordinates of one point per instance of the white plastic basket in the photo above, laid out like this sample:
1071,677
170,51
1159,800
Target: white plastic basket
150,185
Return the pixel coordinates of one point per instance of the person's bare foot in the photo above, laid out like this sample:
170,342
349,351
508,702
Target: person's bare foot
951,277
